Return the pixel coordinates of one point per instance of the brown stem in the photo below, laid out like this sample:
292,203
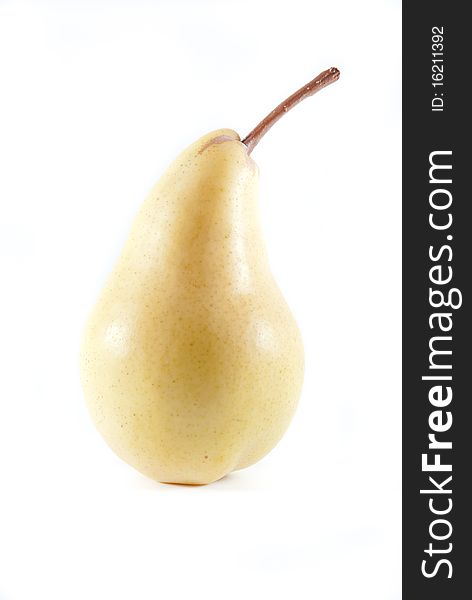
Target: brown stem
317,84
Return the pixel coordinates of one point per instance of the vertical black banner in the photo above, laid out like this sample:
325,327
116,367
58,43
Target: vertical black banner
437,269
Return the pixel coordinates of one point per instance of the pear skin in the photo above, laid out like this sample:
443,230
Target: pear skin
191,362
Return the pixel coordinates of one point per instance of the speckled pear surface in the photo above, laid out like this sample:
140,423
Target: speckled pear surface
191,362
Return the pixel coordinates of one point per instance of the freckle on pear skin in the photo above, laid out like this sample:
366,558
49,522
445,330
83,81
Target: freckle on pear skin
191,361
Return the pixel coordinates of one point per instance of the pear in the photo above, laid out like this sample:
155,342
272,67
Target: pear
191,361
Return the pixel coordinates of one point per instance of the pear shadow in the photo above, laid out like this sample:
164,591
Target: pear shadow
237,481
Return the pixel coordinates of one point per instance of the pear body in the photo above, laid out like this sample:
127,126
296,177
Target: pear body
191,361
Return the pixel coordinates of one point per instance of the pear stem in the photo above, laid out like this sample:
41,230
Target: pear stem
318,83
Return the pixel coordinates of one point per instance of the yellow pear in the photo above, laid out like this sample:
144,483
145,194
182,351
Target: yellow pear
191,361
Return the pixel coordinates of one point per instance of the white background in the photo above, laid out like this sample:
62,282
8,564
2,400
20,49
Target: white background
96,99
